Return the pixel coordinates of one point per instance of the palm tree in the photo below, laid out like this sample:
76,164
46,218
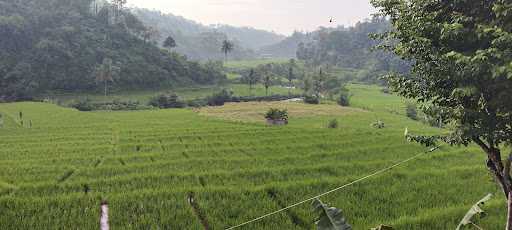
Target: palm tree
106,72
226,48
252,79
267,79
290,79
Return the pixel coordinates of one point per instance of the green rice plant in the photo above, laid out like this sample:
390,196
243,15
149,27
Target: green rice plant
230,167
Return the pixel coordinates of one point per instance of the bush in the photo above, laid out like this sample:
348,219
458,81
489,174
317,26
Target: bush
87,105
167,100
311,100
83,105
220,98
117,105
344,99
333,124
277,114
411,111
378,124
196,103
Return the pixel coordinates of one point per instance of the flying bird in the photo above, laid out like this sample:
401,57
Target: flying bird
331,20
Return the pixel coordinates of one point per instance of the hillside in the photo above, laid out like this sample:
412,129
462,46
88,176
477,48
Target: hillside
198,41
50,45
287,48
147,164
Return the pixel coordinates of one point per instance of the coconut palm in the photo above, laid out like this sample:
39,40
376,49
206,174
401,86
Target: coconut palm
226,48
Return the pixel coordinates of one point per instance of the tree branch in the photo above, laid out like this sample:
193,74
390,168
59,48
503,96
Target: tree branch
479,142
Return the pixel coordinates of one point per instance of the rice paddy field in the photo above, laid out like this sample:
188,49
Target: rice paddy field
59,164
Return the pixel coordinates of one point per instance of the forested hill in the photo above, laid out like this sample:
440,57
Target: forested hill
202,42
350,47
287,48
81,44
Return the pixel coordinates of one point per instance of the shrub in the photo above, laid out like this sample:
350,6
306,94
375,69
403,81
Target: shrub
378,124
87,105
167,100
411,111
344,99
333,124
220,98
277,114
196,103
83,105
311,100
117,105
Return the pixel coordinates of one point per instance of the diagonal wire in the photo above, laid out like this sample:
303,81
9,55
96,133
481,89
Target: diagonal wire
336,189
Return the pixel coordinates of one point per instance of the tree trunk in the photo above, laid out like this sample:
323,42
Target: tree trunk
105,89
509,214
290,88
501,171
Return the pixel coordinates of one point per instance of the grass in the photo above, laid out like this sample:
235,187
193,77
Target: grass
144,163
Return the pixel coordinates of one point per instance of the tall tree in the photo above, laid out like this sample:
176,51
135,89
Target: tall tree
267,77
169,43
318,83
462,55
149,34
252,79
227,47
106,72
291,75
118,6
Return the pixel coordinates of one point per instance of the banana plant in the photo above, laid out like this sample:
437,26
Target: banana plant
330,218
473,213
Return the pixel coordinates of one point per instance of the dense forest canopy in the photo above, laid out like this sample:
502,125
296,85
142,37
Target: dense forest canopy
200,42
58,45
351,48
287,48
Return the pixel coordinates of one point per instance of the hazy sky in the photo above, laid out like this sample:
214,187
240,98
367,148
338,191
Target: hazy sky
282,16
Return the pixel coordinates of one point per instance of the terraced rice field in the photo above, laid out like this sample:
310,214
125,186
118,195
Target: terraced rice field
147,164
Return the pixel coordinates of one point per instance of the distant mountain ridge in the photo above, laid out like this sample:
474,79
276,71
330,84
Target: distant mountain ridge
199,41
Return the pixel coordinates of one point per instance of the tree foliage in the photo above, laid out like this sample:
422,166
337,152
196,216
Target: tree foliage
461,53
169,42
